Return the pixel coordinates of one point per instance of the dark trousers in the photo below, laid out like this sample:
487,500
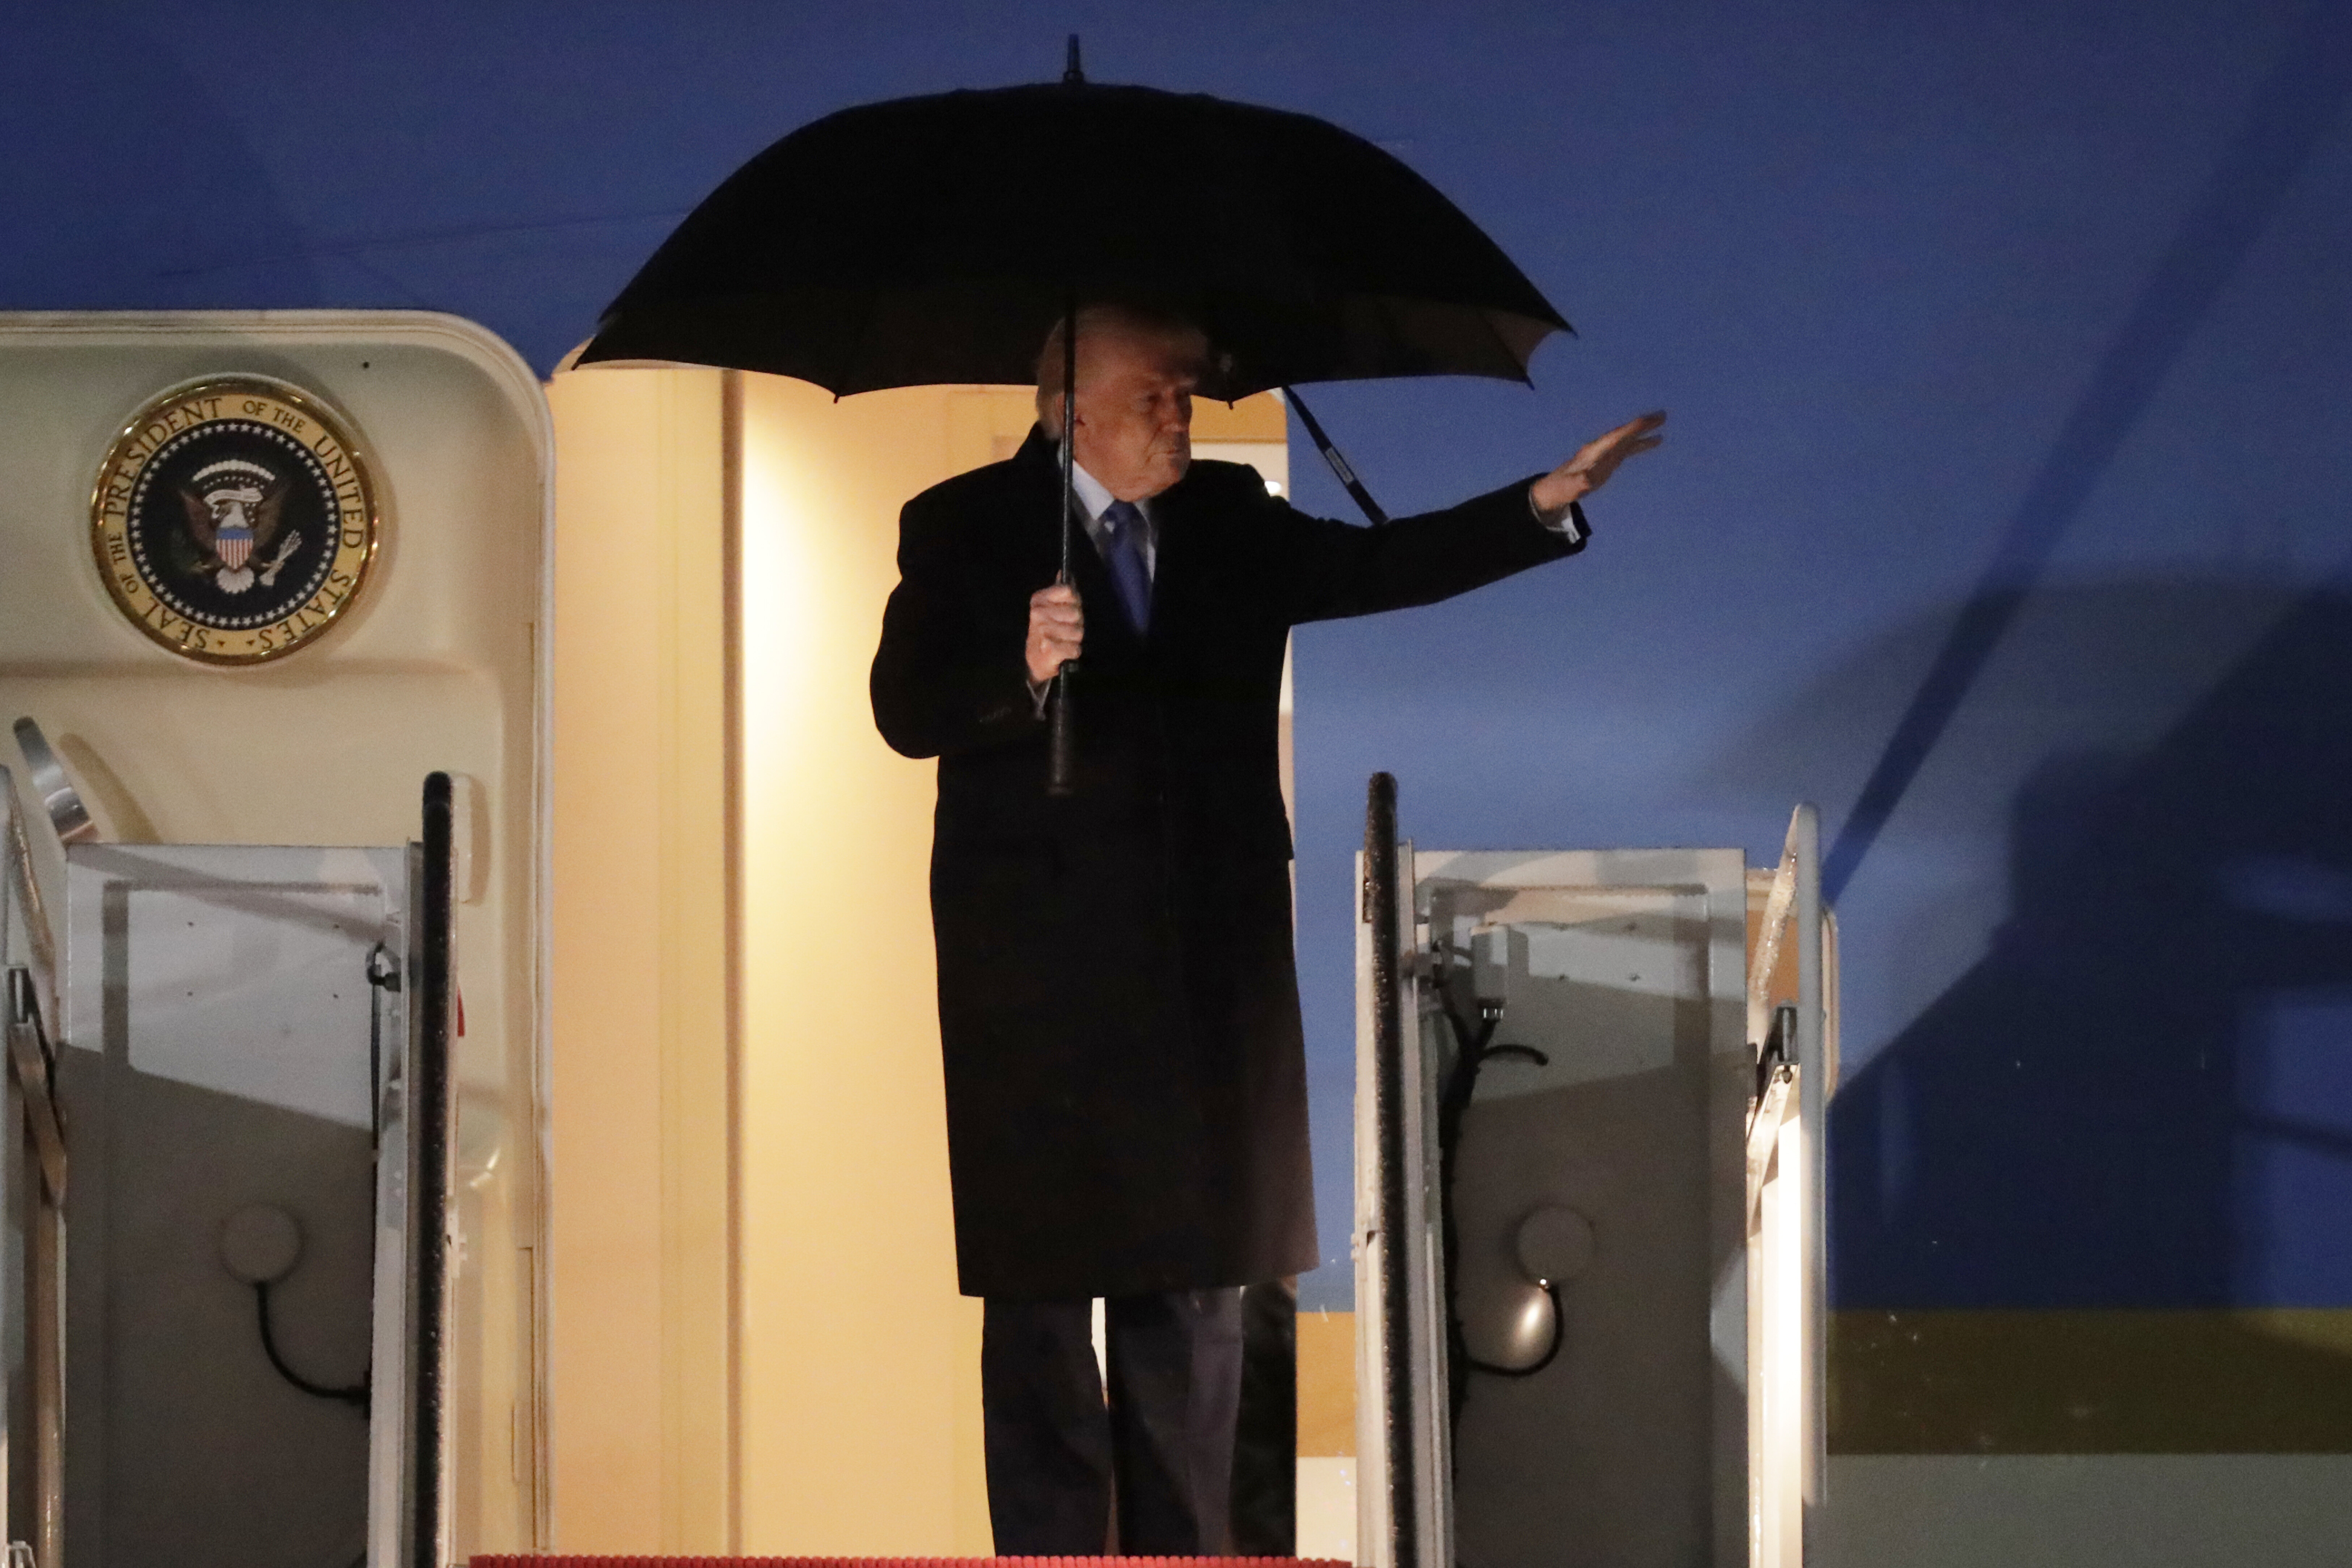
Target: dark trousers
1265,1437
1159,1449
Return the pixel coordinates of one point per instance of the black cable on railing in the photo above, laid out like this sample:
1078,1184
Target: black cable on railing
357,1395
1473,1051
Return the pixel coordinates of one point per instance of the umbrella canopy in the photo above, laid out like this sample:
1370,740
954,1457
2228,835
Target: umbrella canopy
936,239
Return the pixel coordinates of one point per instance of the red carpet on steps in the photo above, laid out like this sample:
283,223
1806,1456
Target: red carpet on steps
568,1562
906,1562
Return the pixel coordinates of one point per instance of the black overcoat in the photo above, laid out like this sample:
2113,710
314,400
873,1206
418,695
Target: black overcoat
1126,1083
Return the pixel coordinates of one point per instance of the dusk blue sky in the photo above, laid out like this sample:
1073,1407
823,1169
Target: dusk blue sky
2008,351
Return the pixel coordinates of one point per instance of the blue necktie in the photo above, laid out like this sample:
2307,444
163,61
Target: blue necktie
1123,553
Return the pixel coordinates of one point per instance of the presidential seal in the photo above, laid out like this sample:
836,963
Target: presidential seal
234,520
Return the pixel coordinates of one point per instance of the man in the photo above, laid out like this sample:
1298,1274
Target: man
1126,1104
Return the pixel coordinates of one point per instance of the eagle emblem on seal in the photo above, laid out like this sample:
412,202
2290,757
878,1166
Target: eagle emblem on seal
235,519
233,508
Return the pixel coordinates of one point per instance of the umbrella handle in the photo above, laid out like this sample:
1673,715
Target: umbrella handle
1061,738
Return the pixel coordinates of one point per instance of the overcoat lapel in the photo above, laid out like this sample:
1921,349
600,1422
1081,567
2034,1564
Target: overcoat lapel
1174,541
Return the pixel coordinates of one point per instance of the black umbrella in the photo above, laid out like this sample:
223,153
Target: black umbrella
936,239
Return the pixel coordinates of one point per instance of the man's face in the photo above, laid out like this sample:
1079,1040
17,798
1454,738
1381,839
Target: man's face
1135,406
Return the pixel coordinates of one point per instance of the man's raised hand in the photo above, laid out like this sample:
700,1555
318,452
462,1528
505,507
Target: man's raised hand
1594,462
1056,628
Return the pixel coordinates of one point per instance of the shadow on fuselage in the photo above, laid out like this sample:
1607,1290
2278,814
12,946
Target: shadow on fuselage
2138,1099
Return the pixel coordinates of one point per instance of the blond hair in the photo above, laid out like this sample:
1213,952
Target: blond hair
1104,318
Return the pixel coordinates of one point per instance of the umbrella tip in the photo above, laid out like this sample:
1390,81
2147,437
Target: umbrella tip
1071,74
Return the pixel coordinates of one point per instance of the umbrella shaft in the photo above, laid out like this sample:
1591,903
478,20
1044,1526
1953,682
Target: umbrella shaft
1061,745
